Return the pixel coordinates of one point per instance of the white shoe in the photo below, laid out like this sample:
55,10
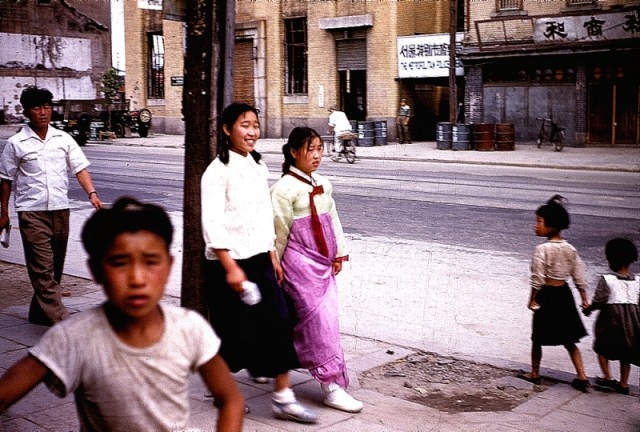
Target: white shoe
293,411
260,380
343,401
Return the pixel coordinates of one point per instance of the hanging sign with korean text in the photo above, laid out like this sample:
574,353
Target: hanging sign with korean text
426,56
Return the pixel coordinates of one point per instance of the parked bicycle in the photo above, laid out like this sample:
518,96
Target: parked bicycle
553,133
347,149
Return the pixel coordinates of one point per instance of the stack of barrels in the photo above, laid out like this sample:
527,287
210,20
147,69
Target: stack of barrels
477,136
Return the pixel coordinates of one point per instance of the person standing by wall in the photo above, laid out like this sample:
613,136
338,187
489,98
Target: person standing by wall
339,122
402,122
36,159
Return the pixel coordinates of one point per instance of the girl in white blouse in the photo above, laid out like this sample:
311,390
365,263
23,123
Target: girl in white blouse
556,320
237,222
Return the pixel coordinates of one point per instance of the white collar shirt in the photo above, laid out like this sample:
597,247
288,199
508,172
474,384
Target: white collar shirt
38,168
236,208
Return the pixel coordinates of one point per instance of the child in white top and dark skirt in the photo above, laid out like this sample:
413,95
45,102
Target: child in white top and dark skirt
556,320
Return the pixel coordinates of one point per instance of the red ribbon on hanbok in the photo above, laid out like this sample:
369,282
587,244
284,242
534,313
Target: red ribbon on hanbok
318,234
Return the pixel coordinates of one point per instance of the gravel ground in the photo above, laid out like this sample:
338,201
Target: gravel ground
16,289
450,385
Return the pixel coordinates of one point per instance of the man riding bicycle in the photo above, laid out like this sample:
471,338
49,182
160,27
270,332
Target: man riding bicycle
340,125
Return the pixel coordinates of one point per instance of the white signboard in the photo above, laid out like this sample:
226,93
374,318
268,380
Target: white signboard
150,4
427,56
588,28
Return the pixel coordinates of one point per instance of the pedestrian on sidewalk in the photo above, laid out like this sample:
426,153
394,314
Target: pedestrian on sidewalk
402,122
36,159
237,221
617,327
127,361
340,125
311,247
555,317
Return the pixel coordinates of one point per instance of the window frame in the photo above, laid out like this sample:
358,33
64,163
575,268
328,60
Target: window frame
296,65
509,5
155,67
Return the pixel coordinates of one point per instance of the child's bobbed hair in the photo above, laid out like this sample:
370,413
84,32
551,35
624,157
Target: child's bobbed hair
299,137
620,252
127,215
227,118
554,213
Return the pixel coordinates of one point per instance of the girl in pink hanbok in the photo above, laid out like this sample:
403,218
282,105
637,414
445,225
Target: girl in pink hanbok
311,247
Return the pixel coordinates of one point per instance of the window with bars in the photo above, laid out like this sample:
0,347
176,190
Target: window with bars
296,51
155,83
508,5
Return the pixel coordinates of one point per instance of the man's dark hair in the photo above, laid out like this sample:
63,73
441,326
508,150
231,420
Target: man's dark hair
34,96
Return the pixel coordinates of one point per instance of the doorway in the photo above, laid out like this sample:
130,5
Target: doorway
353,93
613,106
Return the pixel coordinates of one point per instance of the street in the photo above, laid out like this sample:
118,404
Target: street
481,207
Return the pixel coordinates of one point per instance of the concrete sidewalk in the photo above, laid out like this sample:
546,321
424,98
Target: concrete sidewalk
625,158
449,323
558,408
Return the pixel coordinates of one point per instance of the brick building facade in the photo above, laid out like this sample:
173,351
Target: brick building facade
293,60
573,61
62,45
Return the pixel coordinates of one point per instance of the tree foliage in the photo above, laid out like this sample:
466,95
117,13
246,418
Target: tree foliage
111,85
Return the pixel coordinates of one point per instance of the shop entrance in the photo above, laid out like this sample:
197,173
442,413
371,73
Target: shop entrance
353,94
613,107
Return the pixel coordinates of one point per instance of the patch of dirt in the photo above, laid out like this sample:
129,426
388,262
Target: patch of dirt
448,384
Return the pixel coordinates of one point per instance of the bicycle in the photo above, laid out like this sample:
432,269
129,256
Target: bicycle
555,134
347,148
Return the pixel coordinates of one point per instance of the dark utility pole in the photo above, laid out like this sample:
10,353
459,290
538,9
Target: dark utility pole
203,98
453,91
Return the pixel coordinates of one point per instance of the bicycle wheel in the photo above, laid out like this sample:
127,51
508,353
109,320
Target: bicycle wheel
350,155
350,152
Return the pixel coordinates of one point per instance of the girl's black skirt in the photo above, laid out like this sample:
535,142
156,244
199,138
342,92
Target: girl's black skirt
557,322
258,338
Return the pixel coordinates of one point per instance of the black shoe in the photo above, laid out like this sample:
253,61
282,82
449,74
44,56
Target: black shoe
622,390
603,384
582,385
527,377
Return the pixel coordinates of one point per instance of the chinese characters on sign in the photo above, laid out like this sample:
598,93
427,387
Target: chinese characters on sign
426,56
611,26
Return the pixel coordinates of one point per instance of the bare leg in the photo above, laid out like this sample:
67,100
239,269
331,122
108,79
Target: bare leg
282,381
536,358
625,370
604,366
576,359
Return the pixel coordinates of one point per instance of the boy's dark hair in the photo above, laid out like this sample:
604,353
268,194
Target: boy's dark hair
125,216
554,213
228,117
620,252
34,96
298,138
